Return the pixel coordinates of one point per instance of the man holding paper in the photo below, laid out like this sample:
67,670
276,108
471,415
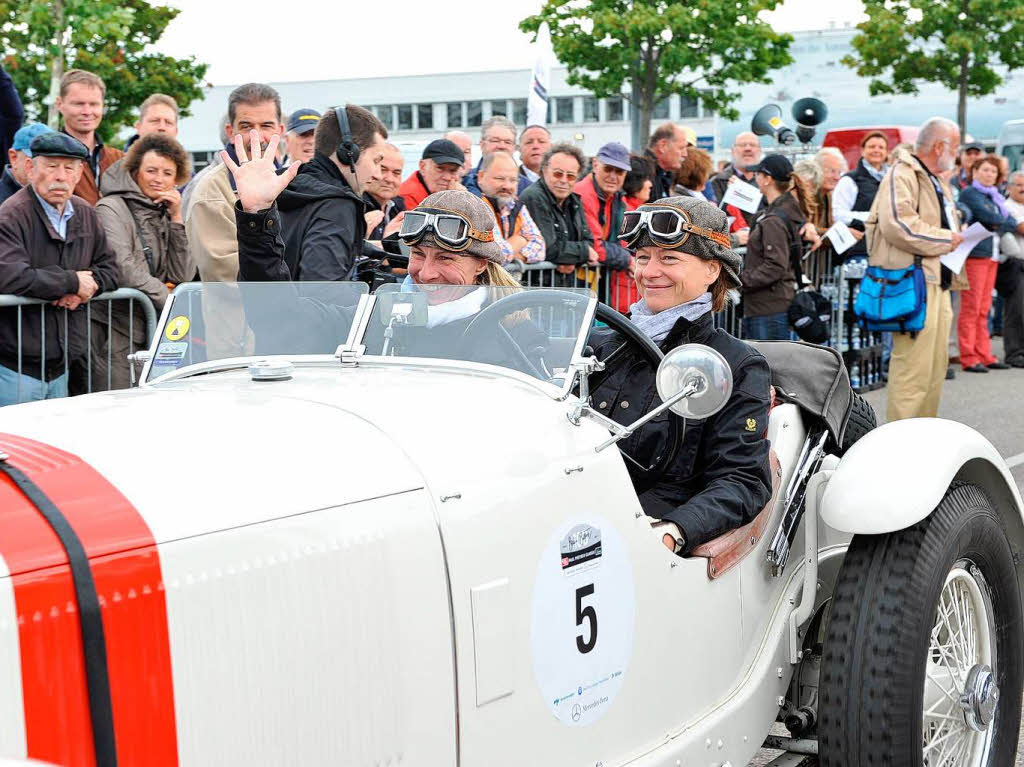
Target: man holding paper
914,215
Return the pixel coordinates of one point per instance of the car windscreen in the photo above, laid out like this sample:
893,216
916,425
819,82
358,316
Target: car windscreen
533,330
223,320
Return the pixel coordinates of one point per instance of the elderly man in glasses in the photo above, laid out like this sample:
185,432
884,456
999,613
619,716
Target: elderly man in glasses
558,211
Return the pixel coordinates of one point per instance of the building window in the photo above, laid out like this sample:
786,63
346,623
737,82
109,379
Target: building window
563,110
661,109
383,113
424,116
499,108
519,112
405,117
614,109
687,107
591,109
455,115
474,113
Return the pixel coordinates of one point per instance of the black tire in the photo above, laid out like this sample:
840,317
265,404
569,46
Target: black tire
862,420
879,633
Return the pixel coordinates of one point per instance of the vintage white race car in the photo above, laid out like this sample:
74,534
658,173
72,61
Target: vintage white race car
316,534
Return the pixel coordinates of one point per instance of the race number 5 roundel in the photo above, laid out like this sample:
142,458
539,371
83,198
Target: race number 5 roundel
581,630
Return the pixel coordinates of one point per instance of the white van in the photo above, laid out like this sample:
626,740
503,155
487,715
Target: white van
1011,143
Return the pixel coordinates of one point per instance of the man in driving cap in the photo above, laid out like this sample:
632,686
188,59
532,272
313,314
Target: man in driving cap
298,139
52,247
440,169
15,175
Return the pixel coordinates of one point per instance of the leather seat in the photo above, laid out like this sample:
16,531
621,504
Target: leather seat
725,552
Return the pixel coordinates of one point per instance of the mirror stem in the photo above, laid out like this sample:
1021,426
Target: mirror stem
692,387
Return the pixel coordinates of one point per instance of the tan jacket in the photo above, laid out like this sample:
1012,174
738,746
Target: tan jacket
210,225
213,244
905,220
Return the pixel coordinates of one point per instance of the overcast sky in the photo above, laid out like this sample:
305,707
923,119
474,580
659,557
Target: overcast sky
287,40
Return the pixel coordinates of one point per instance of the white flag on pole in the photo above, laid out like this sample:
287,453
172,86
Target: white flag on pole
540,79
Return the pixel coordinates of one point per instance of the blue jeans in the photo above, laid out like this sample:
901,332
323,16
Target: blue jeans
767,327
32,389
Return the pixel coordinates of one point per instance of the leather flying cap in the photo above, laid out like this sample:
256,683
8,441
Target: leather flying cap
474,210
702,215
443,151
775,165
58,145
303,121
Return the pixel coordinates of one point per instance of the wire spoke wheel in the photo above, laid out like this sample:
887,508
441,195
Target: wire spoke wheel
960,694
923,662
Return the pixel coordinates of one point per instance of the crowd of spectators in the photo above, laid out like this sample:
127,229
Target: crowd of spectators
140,219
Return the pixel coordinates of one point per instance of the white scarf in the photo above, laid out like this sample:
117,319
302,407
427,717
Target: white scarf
657,326
459,309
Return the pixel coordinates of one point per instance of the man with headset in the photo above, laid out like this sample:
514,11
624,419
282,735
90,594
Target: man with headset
322,210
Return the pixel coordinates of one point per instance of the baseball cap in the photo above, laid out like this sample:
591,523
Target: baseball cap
443,151
691,135
55,144
23,138
775,165
303,121
615,154
973,145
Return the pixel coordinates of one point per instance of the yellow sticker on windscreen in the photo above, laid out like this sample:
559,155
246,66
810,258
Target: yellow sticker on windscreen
177,328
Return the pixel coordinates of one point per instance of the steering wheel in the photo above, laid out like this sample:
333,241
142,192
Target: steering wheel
488,321
645,476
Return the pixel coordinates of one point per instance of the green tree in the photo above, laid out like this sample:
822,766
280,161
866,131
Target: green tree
695,48
956,43
44,38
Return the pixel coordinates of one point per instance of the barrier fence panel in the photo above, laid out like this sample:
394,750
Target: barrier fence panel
104,330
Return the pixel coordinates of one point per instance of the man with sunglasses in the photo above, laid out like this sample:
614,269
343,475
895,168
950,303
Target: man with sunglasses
558,211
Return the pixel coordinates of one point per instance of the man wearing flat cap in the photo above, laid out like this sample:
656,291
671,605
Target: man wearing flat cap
52,247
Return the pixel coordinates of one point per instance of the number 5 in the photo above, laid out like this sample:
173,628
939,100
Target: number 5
590,614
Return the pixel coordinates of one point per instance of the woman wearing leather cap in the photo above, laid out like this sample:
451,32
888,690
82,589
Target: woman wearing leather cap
717,477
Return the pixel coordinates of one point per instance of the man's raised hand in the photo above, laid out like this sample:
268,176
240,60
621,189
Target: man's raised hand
256,178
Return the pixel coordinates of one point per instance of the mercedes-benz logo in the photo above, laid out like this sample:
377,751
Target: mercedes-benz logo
577,712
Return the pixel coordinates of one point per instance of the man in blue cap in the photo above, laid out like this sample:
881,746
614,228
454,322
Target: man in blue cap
298,140
52,247
603,203
15,174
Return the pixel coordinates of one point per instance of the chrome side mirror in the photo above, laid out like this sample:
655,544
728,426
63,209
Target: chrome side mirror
693,381
699,370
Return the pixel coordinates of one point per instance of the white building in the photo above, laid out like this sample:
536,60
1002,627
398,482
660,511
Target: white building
419,108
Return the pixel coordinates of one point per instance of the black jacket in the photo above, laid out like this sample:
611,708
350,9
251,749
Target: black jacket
567,237
768,277
867,189
322,222
36,262
8,184
720,478
11,112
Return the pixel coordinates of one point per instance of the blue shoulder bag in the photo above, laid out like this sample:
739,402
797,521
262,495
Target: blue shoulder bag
892,299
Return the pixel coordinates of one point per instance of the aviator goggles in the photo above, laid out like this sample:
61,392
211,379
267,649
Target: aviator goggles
448,227
667,226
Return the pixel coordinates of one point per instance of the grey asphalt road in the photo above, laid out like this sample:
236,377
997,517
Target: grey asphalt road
993,404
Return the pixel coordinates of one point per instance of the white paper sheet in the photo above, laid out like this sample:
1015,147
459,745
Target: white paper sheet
743,196
841,237
954,260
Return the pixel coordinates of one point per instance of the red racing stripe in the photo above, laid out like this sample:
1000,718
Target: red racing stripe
126,569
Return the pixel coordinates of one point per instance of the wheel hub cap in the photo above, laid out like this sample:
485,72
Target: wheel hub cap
979,698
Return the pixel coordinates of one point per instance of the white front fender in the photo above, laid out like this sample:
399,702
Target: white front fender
895,475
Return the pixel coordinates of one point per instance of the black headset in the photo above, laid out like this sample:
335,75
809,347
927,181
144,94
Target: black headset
348,150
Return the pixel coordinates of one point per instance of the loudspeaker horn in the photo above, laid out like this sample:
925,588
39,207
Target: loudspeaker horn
768,122
808,113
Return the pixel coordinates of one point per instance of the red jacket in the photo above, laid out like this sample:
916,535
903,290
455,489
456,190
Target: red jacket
413,190
604,213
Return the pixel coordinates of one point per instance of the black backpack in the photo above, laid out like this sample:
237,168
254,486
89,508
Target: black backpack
810,313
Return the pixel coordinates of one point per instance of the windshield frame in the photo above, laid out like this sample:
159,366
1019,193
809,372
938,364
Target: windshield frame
351,353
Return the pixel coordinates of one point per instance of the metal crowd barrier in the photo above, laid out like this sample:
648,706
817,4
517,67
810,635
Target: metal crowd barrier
80,370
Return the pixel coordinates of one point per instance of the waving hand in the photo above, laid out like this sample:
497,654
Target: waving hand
256,179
